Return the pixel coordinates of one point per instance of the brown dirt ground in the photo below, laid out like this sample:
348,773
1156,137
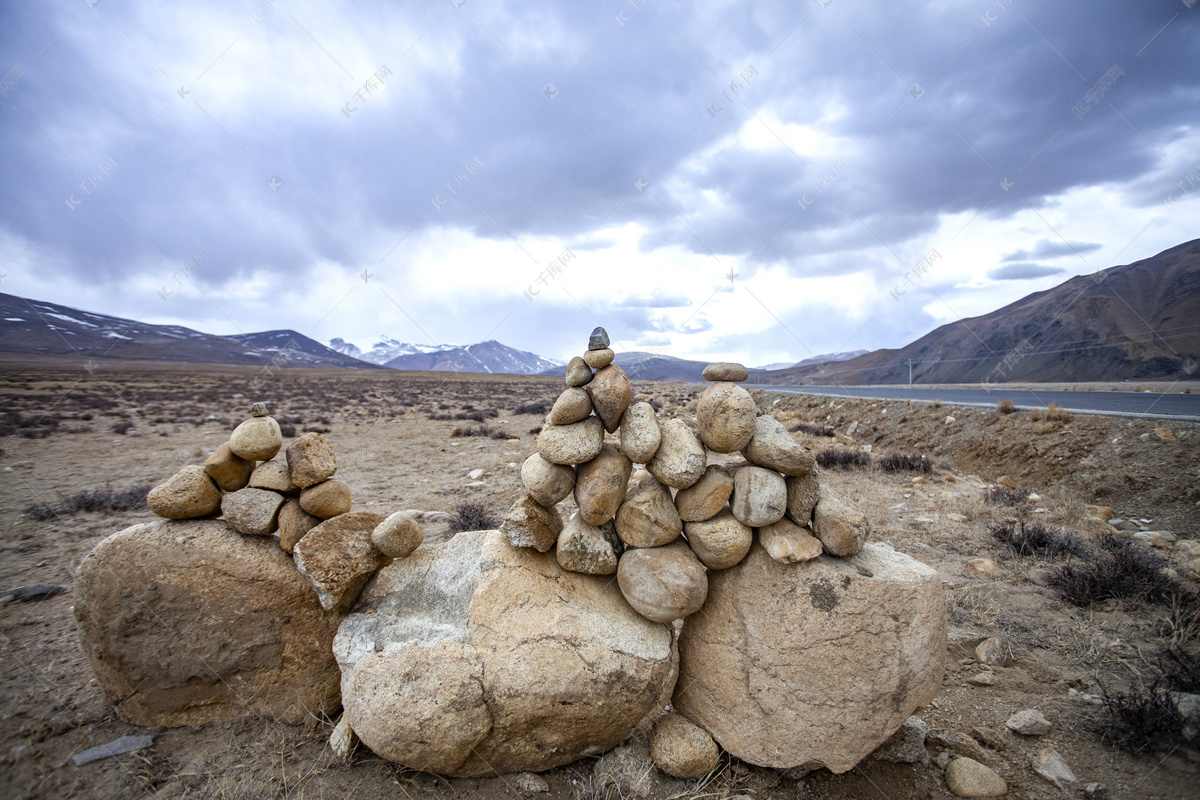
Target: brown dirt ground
395,457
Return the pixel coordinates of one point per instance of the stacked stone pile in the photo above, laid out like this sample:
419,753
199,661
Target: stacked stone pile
681,516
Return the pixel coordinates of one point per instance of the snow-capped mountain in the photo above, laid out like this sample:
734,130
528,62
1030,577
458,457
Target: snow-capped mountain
387,349
490,356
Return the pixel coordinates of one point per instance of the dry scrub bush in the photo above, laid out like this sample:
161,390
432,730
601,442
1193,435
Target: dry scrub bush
1005,406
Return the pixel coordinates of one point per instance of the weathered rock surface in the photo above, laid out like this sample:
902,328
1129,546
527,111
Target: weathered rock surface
547,482
720,542
788,543
773,447
252,511
611,394
398,535
571,406
294,522
759,496
273,475
907,745
966,777
230,472
839,523
310,460
873,653
599,359
530,524
188,494
681,748
707,496
725,413
598,340
187,623
802,496
326,499
663,584
640,435
680,459
578,372
590,549
571,444
256,439
472,658
1029,722
338,558
726,371
648,518
1050,765
600,485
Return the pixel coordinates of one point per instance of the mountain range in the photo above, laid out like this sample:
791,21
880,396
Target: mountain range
490,356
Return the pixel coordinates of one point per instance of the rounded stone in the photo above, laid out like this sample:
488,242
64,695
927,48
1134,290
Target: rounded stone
680,459
294,522
273,475
188,494
681,748
759,496
398,535
720,542
707,496
600,485
598,340
611,394
966,777
598,359
310,460
590,549
648,518
571,406
578,372
726,417
546,482
788,543
662,584
530,524
773,447
230,472
640,435
726,371
256,439
254,512
576,443
258,409
326,499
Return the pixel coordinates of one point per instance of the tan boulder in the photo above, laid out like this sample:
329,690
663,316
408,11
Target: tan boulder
187,623
274,475
578,372
590,549
648,518
338,558
759,496
571,406
230,472
813,664
788,543
530,524
966,777
398,535
681,748
839,523
188,494
600,485
663,584
311,460
547,482
611,394
707,496
294,522
680,459
254,512
720,542
326,499
640,435
599,359
256,439
726,371
726,417
472,658
803,492
773,447
576,443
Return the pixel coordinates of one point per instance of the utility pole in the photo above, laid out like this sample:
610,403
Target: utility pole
910,363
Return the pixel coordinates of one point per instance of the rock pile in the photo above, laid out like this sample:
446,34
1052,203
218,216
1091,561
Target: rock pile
682,517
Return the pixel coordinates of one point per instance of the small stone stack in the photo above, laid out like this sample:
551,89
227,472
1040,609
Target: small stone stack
335,548
659,544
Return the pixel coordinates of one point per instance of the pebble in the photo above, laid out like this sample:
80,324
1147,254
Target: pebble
398,535
529,784
989,737
475,474
906,745
598,340
726,415
578,372
256,439
571,406
188,494
980,568
230,472
759,496
988,652
1029,722
547,482
258,409
254,512
681,748
966,777
598,359
720,542
1004,480
343,740
1050,765
726,371
982,679
327,499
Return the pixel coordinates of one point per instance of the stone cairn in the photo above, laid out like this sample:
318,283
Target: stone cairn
635,532
336,549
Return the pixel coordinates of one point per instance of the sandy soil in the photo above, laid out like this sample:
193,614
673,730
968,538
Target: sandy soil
394,456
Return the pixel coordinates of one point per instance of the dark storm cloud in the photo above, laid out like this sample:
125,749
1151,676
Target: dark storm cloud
1022,270
1048,249
868,120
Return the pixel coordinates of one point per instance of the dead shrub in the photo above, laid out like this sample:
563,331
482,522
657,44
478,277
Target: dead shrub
838,458
904,462
1005,406
1126,570
105,499
1006,496
473,517
1035,538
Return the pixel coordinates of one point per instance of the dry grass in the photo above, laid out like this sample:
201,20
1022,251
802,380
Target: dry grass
1005,406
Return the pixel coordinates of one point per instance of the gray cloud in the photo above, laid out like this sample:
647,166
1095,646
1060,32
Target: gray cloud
1022,270
1046,248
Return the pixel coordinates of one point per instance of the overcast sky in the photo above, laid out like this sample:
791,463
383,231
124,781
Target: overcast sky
750,181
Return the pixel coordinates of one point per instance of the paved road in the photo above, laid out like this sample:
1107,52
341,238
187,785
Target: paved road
1154,405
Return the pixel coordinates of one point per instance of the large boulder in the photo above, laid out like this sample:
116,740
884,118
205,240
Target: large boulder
189,622
813,664
472,658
